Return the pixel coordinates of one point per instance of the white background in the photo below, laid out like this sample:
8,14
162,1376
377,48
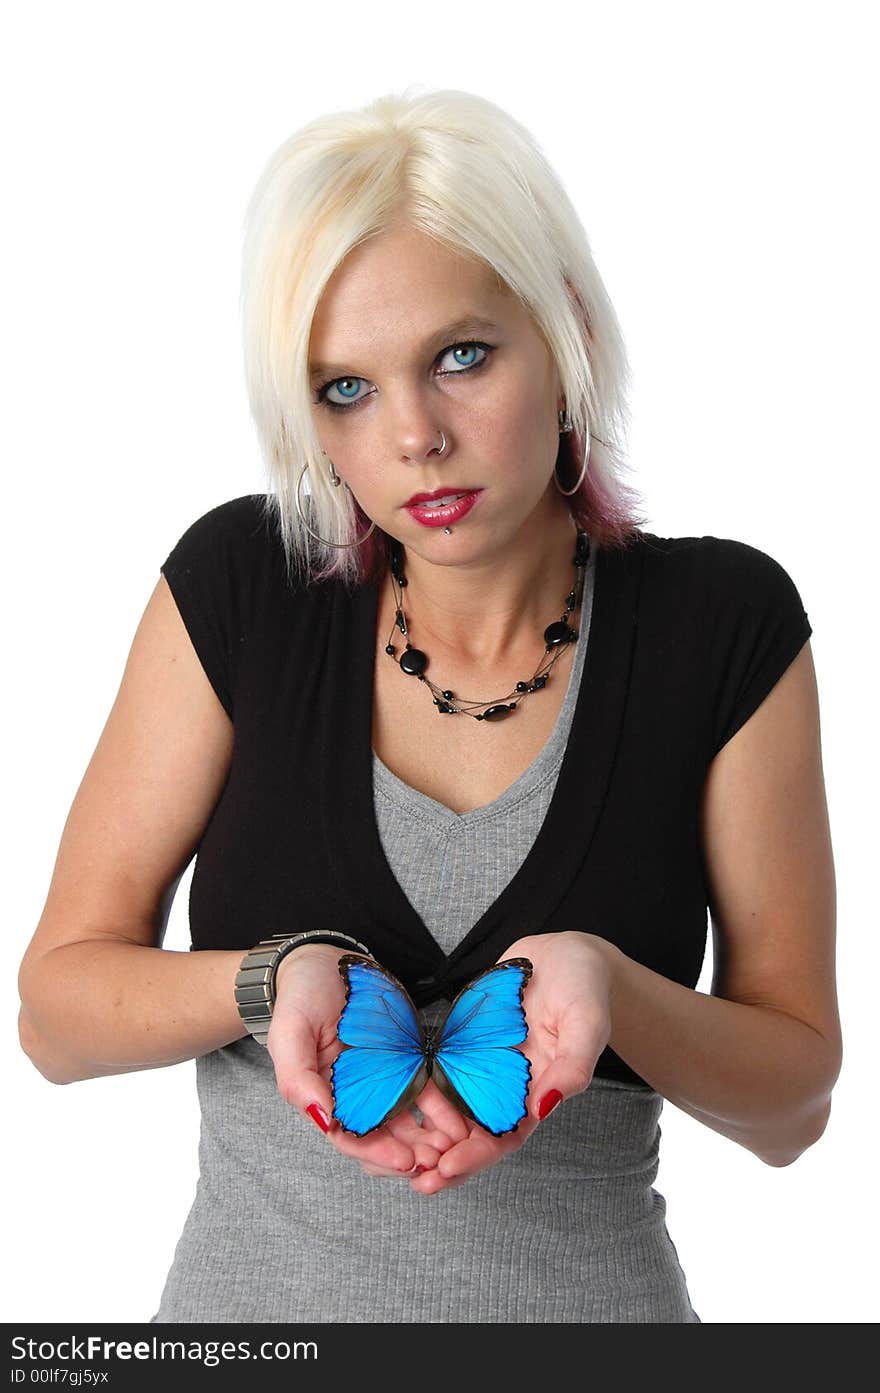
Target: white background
721,158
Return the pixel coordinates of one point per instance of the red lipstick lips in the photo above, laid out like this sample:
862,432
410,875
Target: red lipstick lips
421,510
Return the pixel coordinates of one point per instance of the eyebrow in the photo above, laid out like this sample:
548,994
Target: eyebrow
467,324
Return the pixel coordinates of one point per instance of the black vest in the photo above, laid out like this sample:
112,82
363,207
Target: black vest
687,637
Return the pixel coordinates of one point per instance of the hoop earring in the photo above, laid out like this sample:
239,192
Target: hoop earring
569,492
443,446
323,540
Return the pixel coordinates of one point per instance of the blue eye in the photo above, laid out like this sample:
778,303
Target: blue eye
347,386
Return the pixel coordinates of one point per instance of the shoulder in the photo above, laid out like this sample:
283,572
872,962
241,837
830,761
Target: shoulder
719,569
243,520
724,615
236,541
233,558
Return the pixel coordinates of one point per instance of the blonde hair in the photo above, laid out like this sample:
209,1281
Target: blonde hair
457,167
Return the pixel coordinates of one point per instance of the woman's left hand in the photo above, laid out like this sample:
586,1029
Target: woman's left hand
568,1010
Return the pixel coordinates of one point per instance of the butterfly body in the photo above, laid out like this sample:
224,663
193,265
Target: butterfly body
388,1056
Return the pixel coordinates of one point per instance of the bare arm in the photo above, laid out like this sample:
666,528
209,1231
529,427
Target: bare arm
758,1058
112,1006
99,994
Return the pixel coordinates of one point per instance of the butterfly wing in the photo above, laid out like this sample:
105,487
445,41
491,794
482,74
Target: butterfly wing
476,1047
383,1048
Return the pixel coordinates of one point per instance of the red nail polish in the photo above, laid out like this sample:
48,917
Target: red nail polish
317,1114
548,1103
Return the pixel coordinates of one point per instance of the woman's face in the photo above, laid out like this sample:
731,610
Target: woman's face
398,353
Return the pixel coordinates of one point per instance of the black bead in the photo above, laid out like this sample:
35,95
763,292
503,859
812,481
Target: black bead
497,713
397,562
389,648
571,600
400,621
449,695
522,686
443,707
414,661
540,682
572,635
556,633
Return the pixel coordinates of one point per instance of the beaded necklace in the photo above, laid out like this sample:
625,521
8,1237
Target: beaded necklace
414,661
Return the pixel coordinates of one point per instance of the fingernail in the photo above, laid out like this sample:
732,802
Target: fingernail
317,1114
548,1103
418,1170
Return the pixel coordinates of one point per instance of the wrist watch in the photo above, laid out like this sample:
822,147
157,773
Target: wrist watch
255,979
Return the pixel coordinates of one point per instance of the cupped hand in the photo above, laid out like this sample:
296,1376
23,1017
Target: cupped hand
567,1002
302,1041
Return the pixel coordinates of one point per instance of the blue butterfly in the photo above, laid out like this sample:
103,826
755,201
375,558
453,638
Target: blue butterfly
388,1056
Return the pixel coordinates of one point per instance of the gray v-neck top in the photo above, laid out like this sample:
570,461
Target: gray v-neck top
568,1228
453,866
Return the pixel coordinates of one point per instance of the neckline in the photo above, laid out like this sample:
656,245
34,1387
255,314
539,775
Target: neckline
545,762
565,836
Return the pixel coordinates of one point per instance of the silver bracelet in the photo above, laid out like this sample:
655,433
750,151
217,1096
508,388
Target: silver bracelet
255,979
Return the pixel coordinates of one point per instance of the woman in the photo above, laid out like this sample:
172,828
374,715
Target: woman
628,734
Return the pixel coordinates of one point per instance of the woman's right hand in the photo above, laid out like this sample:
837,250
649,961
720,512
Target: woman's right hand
302,1041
